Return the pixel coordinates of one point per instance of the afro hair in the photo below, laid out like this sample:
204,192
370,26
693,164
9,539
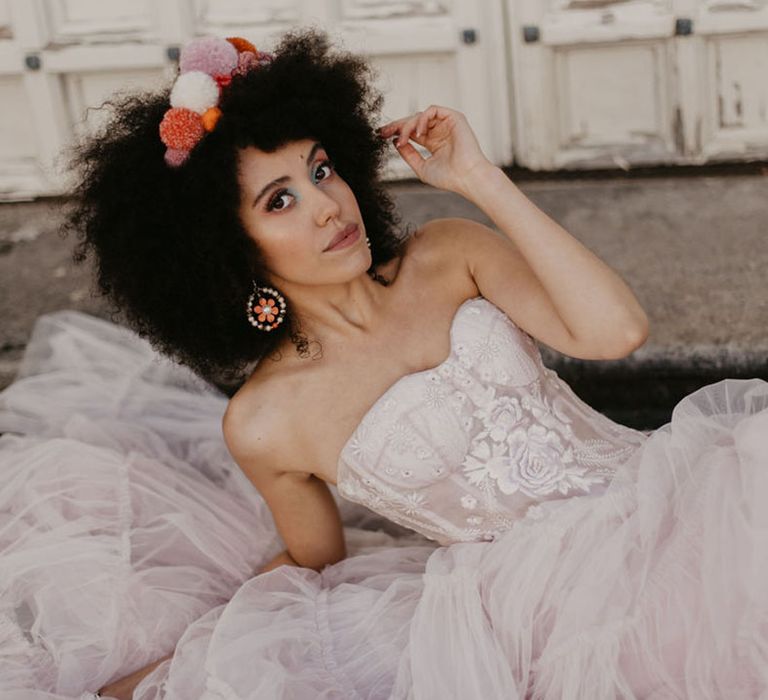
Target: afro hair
171,253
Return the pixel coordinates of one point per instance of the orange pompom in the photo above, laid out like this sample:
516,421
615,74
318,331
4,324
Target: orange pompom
241,44
181,128
210,117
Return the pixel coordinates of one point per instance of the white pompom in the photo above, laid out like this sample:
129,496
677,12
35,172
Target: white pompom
195,90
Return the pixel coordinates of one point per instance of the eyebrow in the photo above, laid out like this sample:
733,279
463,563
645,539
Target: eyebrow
285,178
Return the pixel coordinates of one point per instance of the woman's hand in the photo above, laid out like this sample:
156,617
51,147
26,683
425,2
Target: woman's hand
123,689
446,134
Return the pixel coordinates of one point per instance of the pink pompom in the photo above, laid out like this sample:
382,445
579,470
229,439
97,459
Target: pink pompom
265,58
175,157
246,60
210,54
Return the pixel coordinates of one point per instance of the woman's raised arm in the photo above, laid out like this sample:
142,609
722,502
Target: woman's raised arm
595,305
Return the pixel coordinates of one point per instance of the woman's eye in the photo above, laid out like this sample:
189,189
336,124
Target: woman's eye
327,164
283,193
276,198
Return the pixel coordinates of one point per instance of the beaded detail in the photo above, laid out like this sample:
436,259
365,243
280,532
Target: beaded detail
263,312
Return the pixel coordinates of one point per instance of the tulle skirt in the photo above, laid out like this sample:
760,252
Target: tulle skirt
128,533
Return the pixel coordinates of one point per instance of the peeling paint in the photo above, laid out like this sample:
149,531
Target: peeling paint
719,84
591,4
737,105
678,131
698,134
734,5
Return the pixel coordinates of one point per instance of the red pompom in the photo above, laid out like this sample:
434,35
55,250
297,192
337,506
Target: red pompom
181,128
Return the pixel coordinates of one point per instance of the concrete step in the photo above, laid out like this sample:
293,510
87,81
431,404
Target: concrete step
642,390
694,249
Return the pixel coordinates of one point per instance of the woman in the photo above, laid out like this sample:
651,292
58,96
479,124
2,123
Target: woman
496,537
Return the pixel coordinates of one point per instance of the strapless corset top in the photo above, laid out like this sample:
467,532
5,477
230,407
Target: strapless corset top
460,451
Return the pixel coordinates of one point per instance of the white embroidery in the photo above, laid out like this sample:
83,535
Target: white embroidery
434,397
490,430
400,436
499,417
413,502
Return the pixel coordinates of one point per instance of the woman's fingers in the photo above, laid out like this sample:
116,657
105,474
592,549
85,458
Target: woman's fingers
423,122
408,129
414,126
402,127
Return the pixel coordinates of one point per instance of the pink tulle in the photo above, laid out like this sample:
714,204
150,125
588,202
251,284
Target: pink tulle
128,533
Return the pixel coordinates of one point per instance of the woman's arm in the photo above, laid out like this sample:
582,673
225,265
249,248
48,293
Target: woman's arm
595,310
588,295
279,560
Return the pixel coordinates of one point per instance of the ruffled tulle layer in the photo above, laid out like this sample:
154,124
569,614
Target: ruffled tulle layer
656,589
126,531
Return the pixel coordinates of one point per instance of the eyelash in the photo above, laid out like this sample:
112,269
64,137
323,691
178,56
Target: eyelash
283,191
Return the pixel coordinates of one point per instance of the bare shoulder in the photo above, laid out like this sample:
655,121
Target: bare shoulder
449,234
305,513
441,245
254,421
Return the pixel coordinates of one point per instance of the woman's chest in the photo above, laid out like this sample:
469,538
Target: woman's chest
336,398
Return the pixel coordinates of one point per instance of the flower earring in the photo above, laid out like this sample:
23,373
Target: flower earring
265,304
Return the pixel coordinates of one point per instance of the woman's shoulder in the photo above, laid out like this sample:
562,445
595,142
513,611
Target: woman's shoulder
441,241
436,249
279,389
260,410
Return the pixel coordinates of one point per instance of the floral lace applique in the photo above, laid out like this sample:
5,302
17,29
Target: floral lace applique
524,446
464,451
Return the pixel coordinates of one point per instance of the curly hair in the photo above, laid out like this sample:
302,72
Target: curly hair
172,255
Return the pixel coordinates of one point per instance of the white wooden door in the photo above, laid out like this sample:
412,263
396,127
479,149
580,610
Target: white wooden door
61,59
28,138
723,66
612,83
547,83
448,52
71,55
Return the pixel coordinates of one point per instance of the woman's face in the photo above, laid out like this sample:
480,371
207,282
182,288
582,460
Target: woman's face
294,220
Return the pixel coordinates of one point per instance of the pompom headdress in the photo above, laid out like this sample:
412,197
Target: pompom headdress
206,67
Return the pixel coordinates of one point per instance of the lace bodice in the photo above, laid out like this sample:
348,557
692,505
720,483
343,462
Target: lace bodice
460,451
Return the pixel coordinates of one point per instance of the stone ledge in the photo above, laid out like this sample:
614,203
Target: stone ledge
641,390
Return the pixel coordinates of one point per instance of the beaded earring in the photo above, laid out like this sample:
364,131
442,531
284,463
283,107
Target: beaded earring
265,304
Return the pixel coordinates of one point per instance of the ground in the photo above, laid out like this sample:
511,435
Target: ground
693,248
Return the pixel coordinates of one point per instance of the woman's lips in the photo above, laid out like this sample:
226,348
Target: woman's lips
352,234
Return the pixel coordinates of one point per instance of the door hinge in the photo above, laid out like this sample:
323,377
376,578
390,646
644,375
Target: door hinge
531,33
33,61
683,26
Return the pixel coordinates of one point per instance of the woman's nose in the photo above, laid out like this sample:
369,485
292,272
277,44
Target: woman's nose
326,207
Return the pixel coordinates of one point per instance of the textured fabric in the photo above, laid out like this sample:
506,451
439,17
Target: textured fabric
460,451
504,539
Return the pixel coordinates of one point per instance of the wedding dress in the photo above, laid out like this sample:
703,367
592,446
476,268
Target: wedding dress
504,539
